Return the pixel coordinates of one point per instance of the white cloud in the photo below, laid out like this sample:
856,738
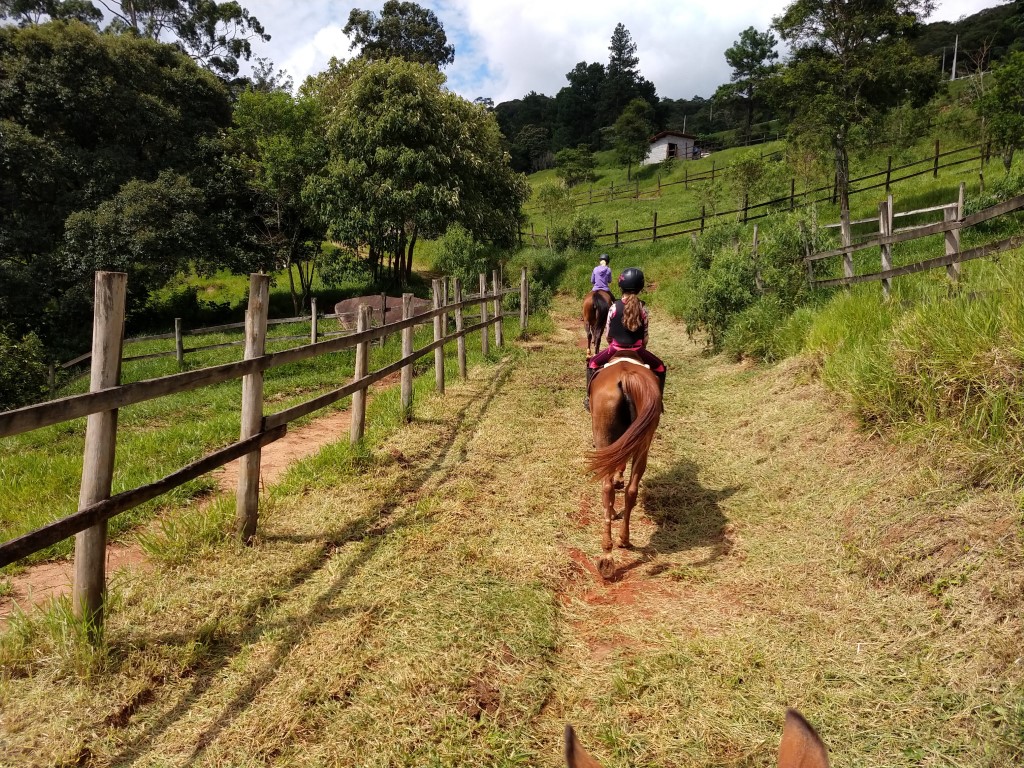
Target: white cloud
506,48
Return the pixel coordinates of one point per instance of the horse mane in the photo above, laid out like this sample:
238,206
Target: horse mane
642,388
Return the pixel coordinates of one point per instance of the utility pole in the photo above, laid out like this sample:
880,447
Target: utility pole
943,70
955,46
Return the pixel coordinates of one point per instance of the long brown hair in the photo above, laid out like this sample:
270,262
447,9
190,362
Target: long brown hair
632,317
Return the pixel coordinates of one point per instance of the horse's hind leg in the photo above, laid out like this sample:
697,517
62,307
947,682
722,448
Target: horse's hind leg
632,490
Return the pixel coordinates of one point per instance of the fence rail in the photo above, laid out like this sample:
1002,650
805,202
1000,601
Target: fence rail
953,223
258,429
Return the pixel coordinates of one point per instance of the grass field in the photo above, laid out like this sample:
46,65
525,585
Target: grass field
430,600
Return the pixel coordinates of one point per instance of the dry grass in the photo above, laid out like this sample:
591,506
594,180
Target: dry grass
431,600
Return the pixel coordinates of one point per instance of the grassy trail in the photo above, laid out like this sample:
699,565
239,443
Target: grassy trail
431,601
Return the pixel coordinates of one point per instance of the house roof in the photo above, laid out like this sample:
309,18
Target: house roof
677,134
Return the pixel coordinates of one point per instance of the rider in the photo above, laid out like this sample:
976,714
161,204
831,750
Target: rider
627,330
601,277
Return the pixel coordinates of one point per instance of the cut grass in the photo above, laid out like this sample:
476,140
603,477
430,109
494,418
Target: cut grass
423,602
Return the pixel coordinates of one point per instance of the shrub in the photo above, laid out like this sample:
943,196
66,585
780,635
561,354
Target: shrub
579,235
459,255
24,372
340,265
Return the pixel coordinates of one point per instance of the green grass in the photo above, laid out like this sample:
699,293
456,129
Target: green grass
40,471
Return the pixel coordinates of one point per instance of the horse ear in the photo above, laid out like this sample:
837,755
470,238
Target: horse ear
575,755
801,747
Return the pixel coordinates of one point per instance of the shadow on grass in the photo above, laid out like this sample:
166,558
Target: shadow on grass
688,515
253,625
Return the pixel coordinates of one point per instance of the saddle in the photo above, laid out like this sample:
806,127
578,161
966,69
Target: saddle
625,356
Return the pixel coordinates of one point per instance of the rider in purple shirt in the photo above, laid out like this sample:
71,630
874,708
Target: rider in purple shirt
601,277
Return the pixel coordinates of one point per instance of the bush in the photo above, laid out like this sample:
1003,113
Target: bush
579,235
544,269
459,255
24,373
340,265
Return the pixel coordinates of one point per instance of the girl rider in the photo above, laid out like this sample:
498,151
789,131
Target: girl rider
601,277
626,330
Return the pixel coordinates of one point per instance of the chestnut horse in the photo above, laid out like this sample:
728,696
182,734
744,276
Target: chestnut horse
595,316
625,408
800,747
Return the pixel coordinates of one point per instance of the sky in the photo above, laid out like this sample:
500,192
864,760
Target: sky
506,48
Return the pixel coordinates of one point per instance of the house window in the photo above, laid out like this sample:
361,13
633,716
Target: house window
673,150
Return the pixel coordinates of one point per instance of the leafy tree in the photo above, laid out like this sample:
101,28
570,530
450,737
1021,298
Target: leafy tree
407,159
751,58
623,82
632,133
280,144
531,149
215,34
23,369
578,106
82,116
1003,105
575,166
849,61
404,30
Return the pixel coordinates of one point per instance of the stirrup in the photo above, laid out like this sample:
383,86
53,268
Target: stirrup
586,404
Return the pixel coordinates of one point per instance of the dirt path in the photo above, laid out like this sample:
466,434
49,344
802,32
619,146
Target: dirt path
435,602
44,581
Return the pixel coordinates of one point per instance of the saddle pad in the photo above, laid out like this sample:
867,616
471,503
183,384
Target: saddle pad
617,360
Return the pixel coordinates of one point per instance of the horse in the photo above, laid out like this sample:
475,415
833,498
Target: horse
625,408
801,747
595,316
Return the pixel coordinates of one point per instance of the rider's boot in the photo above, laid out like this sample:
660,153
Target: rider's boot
661,386
590,376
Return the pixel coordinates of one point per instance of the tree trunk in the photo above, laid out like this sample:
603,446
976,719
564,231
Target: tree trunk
408,258
1007,158
842,176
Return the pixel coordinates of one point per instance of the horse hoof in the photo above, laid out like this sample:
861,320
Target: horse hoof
606,567
625,544
619,485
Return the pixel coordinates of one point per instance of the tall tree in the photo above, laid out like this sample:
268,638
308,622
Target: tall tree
623,81
117,129
850,60
215,34
752,60
404,30
578,106
632,133
280,144
408,158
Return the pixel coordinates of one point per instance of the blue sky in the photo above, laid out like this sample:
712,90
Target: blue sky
506,48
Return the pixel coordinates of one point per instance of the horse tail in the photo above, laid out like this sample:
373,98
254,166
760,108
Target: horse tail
645,393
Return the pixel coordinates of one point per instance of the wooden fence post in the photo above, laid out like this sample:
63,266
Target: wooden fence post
654,229
444,303
499,330
981,183
485,331
313,320
357,426
703,210
953,237
835,189
435,291
712,171
524,302
51,380
100,443
758,282
792,193
847,238
406,351
935,167
179,342
616,233
888,174
686,177
885,220
459,325
248,497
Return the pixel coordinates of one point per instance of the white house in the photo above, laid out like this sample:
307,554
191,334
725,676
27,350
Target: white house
672,144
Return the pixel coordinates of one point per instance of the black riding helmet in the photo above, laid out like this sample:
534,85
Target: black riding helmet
631,280
605,258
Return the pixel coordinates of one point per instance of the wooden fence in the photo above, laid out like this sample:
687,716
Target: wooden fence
107,395
953,223
751,212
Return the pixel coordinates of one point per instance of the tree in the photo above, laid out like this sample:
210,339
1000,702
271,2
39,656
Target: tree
531,149
751,58
216,35
1003,105
633,132
407,159
404,30
280,144
575,166
623,82
578,106
82,116
849,61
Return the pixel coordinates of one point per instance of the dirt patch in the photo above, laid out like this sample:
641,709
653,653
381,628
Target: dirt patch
481,697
